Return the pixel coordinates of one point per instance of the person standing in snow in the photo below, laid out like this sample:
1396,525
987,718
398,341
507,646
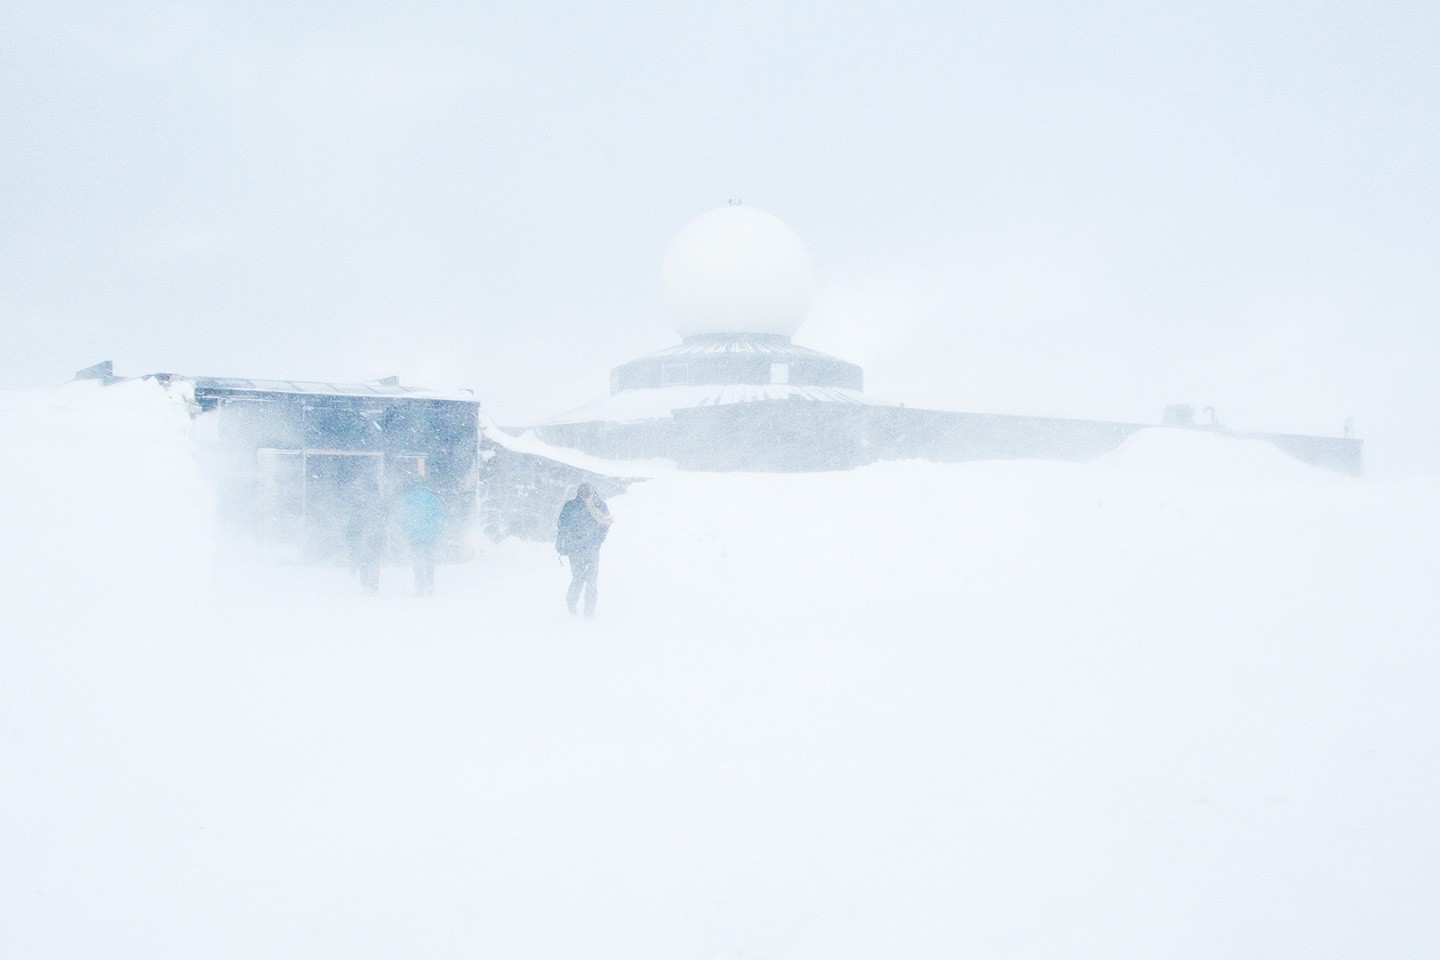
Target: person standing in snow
422,520
583,525
365,536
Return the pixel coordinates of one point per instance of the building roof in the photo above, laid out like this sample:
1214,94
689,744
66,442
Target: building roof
388,387
104,371
658,403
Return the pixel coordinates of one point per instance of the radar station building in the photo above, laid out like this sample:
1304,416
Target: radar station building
738,394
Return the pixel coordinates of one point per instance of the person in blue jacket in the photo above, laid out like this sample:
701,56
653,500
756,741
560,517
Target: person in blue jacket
422,520
582,528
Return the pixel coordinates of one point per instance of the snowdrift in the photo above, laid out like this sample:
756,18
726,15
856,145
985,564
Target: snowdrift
1178,702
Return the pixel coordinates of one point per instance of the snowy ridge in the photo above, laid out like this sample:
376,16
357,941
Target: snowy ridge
1199,456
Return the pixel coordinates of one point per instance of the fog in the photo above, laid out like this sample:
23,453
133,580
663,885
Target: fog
1019,207
1174,701
1178,701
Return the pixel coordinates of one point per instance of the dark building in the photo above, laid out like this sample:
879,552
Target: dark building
298,460
295,462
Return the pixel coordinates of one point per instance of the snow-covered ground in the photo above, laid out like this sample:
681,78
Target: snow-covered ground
1180,702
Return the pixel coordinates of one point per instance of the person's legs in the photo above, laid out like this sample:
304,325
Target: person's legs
592,584
582,578
577,582
423,558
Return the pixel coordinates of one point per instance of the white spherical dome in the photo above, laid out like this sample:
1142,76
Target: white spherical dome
736,270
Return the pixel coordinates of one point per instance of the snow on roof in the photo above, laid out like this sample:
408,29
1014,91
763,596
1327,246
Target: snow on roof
104,372
658,403
529,443
389,387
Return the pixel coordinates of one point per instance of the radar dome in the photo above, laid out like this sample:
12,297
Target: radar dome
736,270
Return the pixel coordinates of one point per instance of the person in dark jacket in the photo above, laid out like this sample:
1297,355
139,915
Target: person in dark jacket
582,528
365,535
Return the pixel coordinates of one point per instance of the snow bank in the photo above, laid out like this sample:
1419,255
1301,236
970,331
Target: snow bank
101,489
529,442
995,709
1196,455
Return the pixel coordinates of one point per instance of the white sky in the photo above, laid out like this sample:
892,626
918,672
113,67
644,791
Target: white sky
1075,209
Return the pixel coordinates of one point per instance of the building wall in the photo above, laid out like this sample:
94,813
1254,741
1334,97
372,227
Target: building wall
521,494
617,441
804,367
292,467
798,435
